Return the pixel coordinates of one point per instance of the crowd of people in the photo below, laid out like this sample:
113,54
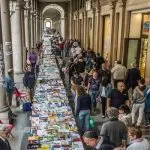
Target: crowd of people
122,92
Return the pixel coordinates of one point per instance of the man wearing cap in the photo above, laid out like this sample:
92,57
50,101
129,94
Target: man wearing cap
4,133
9,81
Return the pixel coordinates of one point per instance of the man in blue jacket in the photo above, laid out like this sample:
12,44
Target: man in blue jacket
29,81
9,81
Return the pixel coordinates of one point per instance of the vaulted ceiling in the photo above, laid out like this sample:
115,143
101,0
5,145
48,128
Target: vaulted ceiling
52,13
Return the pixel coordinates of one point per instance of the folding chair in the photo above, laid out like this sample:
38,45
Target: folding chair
20,96
10,126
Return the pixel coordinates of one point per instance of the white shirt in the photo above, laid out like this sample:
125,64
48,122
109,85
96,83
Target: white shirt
139,144
103,92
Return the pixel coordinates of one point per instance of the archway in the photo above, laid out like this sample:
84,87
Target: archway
62,15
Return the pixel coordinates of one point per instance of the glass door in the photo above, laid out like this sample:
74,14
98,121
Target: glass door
132,51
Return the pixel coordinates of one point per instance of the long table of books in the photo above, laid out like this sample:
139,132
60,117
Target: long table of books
53,126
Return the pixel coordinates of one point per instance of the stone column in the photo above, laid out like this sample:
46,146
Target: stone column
115,38
93,29
35,22
96,39
32,24
112,16
27,30
85,30
38,29
6,34
77,20
126,33
41,32
122,23
17,40
101,28
87,33
23,38
62,27
4,109
70,20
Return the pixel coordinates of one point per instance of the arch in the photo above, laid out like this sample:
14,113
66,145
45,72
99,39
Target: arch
54,6
62,15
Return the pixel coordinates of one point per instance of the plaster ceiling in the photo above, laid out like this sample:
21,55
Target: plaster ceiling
52,13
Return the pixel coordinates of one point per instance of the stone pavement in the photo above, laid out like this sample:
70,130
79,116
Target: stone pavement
21,122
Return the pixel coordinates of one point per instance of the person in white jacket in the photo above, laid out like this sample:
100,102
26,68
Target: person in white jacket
118,72
137,142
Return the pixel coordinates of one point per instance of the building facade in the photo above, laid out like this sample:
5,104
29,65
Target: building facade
117,29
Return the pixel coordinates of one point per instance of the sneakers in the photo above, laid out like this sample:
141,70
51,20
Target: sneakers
103,116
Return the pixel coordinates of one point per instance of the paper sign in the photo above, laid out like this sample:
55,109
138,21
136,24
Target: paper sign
8,53
7,43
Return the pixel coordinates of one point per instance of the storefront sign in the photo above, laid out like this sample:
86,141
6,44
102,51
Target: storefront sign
88,5
8,53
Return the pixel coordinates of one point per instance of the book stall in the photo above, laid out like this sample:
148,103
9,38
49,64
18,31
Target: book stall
53,126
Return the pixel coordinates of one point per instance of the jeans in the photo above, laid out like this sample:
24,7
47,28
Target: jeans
31,94
103,99
140,109
9,98
94,95
84,119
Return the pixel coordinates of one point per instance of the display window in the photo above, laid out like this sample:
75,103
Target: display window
106,38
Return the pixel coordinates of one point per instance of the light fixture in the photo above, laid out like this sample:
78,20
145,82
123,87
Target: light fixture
12,6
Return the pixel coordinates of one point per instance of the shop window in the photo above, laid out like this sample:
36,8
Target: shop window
144,43
106,38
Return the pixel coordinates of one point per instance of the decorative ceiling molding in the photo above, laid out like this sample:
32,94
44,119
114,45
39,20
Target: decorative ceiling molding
54,1
54,6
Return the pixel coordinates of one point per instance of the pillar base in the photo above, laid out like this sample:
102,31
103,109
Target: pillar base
6,116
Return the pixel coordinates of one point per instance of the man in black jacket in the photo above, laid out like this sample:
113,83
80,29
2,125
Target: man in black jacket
29,81
4,132
98,143
132,77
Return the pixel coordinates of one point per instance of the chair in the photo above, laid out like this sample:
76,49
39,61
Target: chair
10,126
21,96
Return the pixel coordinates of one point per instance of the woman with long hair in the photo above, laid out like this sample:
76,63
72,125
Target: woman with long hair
83,108
105,89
